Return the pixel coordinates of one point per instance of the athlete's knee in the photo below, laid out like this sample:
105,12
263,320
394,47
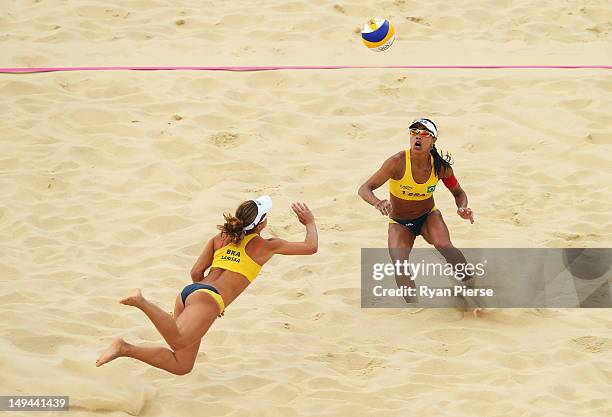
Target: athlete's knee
443,244
178,343
399,253
184,369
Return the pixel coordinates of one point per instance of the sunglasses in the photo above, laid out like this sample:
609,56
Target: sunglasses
421,132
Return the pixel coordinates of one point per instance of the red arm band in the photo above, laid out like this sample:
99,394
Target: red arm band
450,182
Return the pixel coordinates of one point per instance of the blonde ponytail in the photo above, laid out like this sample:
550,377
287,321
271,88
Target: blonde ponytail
234,225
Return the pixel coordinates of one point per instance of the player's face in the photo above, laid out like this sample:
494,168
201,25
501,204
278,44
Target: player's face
421,140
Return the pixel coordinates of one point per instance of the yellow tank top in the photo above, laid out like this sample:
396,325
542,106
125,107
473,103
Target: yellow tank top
407,188
234,258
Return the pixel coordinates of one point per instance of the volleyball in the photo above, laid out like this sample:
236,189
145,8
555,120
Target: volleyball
378,34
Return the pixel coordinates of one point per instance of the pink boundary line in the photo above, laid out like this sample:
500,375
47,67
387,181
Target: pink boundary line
296,67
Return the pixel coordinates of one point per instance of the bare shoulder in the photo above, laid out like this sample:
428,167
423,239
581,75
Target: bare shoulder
258,241
396,163
446,172
398,157
218,240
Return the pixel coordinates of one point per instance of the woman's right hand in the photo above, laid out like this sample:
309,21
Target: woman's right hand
384,206
303,213
310,244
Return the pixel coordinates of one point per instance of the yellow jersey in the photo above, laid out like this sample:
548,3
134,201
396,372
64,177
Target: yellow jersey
407,188
233,257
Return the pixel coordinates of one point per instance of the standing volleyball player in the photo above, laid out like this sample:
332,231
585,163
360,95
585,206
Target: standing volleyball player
413,175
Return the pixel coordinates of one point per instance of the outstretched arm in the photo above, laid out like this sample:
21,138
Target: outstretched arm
204,261
366,191
310,244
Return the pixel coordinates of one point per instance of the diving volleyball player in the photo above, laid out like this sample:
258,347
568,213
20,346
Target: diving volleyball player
235,257
413,175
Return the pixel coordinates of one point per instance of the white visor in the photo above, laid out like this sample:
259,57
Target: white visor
264,204
428,125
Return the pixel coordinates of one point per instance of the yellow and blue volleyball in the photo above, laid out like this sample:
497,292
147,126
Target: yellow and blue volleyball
378,34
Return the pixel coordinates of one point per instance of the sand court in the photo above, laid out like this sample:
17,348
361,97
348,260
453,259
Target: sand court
115,180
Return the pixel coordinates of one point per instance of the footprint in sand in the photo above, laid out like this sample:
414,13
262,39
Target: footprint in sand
592,344
224,140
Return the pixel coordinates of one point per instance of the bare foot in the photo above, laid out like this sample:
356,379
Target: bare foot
112,352
134,299
478,312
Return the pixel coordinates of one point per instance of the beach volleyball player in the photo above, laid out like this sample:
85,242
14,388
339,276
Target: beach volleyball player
413,175
235,257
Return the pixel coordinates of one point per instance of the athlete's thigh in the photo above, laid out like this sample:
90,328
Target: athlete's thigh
434,230
400,241
199,314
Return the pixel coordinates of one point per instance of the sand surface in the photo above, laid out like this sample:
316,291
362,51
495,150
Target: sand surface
112,181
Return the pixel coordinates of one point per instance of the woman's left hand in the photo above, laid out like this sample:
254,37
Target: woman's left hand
466,213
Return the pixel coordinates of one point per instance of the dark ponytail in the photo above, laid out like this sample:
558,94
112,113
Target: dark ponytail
440,162
234,225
